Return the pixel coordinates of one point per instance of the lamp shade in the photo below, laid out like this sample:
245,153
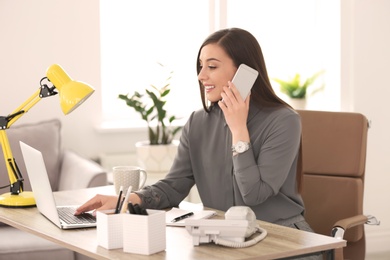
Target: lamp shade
72,93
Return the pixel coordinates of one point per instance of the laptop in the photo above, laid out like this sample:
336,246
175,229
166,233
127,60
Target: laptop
61,216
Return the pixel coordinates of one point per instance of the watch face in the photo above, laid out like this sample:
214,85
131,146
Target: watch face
240,147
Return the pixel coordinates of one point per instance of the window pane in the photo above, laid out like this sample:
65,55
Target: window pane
135,36
300,36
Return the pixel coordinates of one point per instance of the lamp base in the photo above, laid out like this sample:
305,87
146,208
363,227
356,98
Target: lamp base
23,200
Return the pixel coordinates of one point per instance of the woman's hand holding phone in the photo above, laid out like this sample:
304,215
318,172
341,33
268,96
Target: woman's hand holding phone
236,99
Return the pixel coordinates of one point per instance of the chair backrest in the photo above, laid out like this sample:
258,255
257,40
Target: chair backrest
334,158
44,136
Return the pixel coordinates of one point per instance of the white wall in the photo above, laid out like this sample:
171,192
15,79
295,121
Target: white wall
365,67
36,34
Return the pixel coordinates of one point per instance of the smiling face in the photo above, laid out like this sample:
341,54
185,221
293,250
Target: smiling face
217,68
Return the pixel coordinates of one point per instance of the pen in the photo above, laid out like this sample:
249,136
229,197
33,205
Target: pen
126,200
119,200
131,208
120,205
183,217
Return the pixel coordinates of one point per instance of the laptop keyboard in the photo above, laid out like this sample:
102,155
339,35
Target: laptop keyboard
67,215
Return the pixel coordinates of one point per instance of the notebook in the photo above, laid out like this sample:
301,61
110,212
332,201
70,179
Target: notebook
61,216
177,212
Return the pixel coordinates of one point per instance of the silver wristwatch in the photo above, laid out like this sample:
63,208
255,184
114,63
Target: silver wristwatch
241,147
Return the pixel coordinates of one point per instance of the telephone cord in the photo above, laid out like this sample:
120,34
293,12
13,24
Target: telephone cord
253,241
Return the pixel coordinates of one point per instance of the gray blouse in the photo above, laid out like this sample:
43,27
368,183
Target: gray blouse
263,178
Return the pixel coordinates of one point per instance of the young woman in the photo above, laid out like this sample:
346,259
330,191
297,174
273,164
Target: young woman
263,175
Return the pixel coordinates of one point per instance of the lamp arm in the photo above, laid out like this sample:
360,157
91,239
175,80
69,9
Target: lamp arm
42,92
15,177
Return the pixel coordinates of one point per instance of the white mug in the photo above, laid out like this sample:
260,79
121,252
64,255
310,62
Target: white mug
127,176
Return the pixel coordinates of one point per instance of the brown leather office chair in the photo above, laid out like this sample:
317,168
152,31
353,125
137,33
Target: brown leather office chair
334,158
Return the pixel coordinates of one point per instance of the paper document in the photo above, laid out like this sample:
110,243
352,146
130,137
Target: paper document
176,213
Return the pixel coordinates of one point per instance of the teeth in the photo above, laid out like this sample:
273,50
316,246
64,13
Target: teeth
209,87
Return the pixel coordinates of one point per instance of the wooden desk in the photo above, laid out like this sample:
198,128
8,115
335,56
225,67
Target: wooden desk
280,242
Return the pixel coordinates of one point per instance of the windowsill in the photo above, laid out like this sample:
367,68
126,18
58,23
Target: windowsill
128,125
121,126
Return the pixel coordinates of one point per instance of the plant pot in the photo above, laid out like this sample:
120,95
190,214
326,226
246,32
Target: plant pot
297,103
156,158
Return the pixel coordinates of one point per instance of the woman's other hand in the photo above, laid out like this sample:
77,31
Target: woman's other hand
99,202
104,202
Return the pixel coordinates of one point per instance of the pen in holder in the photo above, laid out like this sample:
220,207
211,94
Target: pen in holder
142,232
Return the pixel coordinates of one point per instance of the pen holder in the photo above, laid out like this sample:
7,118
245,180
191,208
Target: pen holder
144,234
109,229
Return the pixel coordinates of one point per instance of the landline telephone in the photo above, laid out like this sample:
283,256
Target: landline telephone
239,224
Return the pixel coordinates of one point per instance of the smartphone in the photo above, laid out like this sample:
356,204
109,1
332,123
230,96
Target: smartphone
244,79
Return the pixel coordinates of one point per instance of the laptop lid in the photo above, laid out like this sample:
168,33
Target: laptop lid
41,188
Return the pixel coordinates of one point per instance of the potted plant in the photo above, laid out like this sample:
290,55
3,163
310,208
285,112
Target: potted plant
296,89
157,153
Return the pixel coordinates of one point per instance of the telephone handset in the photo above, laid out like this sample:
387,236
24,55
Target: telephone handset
244,79
239,224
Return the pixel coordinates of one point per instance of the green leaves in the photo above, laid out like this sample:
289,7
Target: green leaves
294,87
151,108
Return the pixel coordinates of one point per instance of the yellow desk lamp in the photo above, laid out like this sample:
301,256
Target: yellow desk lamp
72,94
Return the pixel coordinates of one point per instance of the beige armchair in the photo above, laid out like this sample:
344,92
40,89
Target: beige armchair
66,169
334,158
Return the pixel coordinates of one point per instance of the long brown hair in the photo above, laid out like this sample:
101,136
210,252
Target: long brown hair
242,47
